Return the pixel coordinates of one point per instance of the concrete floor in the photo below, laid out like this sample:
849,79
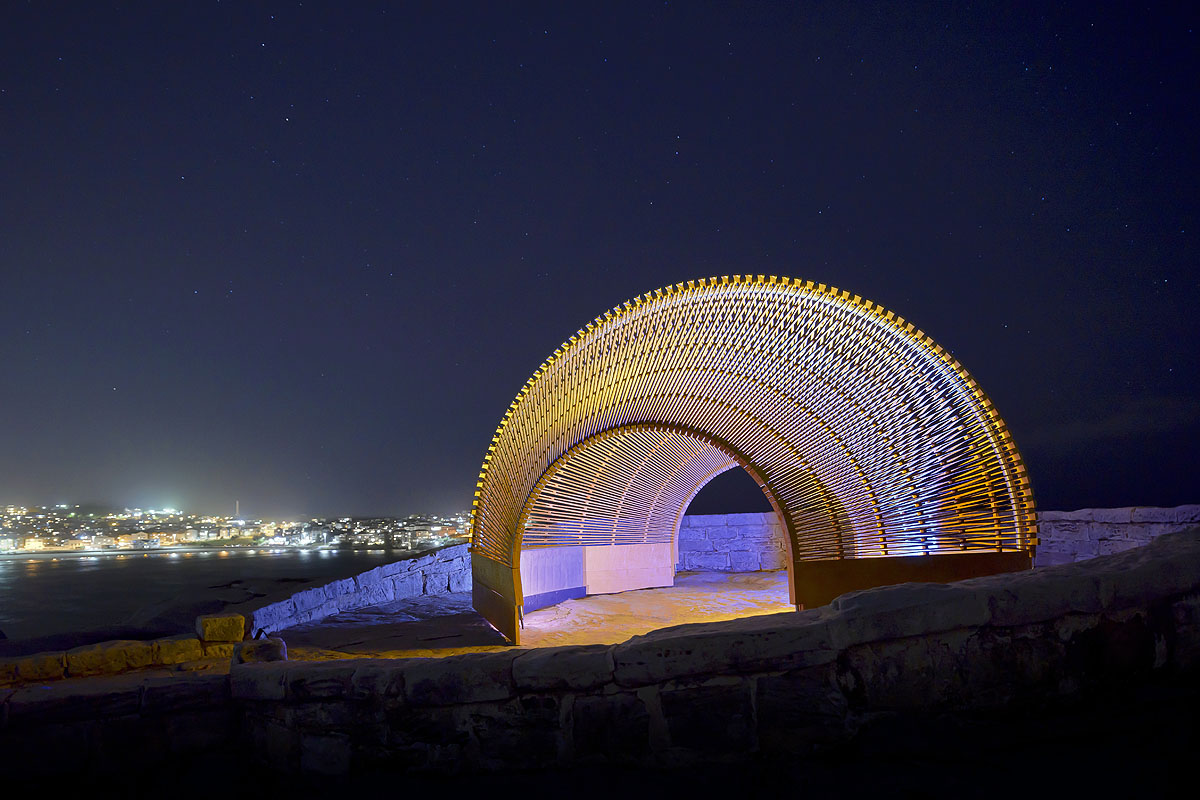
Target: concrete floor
442,625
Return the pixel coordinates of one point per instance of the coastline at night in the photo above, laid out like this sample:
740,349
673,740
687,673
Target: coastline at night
67,569
71,594
89,530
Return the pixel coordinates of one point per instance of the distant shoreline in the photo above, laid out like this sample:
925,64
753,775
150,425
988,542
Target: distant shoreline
205,550
160,591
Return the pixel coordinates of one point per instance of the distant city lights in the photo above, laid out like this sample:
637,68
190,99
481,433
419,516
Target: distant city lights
69,528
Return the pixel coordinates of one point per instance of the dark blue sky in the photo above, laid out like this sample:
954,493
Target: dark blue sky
304,255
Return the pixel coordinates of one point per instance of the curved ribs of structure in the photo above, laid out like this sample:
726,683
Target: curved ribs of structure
869,438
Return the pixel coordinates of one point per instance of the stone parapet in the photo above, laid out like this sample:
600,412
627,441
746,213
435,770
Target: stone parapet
114,724
776,685
770,685
102,658
447,569
751,542
1069,536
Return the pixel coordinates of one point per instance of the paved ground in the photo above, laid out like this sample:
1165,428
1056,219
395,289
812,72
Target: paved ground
443,625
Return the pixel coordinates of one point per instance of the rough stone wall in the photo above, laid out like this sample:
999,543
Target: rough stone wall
750,542
117,656
731,543
1069,536
122,724
438,572
776,685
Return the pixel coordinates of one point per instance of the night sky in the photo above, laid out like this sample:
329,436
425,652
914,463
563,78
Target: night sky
303,255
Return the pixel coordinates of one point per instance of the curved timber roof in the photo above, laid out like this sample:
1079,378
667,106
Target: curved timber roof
868,437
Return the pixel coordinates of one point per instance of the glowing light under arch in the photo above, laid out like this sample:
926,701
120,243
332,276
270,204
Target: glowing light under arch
872,442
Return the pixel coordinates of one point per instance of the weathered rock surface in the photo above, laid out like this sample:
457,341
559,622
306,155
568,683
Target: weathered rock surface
459,679
107,658
218,649
549,668
176,650
438,572
221,627
35,667
1069,536
259,650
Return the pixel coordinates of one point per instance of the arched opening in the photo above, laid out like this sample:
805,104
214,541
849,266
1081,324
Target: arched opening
605,516
733,491
731,548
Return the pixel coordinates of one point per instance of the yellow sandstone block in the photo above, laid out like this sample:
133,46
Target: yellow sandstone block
177,649
260,650
221,627
218,649
41,667
107,658
27,669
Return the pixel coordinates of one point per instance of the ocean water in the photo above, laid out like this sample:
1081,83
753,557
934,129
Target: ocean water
44,594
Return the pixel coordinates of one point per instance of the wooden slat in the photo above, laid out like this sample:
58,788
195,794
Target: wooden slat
500,612
496,594
503,579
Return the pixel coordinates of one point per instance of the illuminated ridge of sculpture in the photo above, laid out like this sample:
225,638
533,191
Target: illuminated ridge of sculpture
881,455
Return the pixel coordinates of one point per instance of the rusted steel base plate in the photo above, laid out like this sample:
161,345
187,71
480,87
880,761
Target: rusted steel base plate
819,582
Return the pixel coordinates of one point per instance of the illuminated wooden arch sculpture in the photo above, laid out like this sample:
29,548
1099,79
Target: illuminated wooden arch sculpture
883,458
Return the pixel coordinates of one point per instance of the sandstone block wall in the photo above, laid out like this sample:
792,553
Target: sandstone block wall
777,685
124,724
1068,536
750,542
437,572
108,658
731,543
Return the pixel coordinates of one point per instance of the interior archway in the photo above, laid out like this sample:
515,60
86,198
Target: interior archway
605,516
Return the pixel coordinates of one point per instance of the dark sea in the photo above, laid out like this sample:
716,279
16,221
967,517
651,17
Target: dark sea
43,594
